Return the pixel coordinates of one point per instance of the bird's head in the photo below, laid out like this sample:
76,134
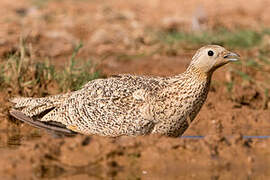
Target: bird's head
208,58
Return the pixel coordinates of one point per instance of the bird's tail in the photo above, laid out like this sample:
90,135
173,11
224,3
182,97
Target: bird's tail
51,126
37,106
31,110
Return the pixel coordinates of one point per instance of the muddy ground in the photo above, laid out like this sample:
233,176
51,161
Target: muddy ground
118,37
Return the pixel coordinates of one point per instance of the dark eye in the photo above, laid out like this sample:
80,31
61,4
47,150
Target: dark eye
210,53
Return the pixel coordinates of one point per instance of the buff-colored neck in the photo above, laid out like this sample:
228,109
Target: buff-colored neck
198,73
195,73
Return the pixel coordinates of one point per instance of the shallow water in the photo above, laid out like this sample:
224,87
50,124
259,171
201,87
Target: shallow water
38,154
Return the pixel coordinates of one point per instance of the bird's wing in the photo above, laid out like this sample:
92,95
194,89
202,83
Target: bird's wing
112,103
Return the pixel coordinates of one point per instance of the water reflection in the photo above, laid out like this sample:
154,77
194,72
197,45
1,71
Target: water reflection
12,134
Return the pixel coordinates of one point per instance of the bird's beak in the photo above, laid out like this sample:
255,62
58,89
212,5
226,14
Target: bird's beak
232,57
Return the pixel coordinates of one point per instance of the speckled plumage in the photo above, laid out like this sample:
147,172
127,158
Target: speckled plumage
129,104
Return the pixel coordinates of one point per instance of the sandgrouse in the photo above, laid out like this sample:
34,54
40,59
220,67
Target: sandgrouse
129,104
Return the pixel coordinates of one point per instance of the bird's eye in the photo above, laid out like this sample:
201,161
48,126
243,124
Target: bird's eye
210,53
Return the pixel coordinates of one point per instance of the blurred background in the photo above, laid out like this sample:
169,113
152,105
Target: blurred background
55,46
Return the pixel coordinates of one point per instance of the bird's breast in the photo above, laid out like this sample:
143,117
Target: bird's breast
180,102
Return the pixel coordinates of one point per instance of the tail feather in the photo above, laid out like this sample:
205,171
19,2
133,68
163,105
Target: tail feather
34,106
36,110
50,126
21,101
33,111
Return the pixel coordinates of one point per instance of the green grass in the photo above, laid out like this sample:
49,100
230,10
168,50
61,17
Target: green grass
127,57
42,3
243,38
20,74
77,73
229,86
264,55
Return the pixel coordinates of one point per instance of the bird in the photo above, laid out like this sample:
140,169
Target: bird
128,105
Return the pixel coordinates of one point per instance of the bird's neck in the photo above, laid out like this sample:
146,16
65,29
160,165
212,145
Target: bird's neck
192,82
198,73
195,74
